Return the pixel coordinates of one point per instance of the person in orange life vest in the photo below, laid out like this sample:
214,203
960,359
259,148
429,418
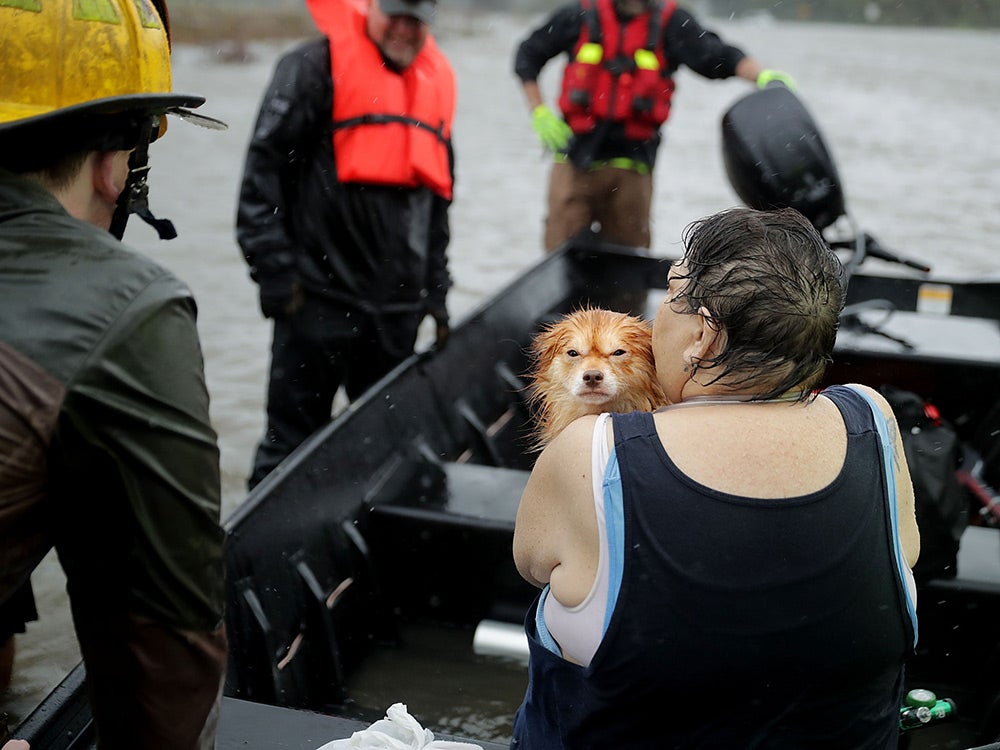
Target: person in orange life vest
616,94
343,210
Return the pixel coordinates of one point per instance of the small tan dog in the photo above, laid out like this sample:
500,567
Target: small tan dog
588,362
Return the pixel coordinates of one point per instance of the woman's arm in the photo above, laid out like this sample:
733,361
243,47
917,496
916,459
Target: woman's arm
555,533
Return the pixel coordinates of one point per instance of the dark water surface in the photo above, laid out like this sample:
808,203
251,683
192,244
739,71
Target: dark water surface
446,686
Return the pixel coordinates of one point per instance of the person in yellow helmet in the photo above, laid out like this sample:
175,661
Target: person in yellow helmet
107,452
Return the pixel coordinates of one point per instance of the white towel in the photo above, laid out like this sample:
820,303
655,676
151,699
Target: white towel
397,731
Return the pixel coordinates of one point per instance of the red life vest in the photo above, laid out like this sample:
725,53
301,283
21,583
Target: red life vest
389,128
618,72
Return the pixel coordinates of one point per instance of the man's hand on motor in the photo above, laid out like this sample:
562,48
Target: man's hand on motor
552,130
768,75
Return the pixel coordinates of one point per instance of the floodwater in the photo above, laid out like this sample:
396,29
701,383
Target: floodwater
908,114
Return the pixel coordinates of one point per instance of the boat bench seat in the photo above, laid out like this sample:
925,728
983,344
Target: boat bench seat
447,555
978,567
475,495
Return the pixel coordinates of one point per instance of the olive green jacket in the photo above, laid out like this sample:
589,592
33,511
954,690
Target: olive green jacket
107,453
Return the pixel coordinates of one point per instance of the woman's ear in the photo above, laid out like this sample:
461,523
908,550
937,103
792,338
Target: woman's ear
707,341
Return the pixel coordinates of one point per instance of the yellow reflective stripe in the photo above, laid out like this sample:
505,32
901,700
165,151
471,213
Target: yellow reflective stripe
590,53
646,60
32,5
622,162
148,16
95,10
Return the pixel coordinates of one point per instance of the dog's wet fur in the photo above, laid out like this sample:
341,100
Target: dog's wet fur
590,361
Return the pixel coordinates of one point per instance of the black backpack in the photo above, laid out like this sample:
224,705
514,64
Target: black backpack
933,454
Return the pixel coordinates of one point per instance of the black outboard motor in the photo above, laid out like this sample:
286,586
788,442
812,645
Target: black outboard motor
775,156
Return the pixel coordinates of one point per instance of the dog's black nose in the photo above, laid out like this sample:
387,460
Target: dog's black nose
593,377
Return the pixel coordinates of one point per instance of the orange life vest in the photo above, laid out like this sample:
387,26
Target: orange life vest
619,72
389,128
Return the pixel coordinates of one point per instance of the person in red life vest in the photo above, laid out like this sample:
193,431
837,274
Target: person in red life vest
616,93
343,210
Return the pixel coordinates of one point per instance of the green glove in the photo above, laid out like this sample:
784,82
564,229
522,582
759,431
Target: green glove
552,131
768,75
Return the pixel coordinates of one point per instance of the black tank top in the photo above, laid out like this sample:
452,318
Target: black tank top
741,623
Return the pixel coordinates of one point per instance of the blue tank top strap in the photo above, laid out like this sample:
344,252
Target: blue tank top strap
541,629
881,425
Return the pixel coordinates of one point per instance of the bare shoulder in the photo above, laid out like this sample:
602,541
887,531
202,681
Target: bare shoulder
561,476
569,451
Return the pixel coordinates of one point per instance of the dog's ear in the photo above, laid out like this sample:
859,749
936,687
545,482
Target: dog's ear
548,342
637,334
644,337
536,358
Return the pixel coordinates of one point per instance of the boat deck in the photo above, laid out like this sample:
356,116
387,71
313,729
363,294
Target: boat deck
256,726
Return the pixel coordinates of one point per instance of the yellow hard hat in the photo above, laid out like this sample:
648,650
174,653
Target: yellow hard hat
65,59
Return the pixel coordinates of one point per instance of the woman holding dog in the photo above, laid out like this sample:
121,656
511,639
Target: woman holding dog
733,570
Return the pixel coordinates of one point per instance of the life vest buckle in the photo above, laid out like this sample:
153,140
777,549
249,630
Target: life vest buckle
620,64
642,104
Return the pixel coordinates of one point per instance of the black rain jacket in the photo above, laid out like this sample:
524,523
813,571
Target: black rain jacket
377,249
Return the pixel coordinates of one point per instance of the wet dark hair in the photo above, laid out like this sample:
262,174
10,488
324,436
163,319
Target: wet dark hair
774,287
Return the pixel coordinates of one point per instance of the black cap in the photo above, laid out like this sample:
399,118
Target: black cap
422,10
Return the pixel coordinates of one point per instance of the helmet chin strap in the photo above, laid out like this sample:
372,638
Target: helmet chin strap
134,199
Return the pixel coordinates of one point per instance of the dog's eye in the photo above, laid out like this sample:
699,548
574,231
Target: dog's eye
572,353
618,353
